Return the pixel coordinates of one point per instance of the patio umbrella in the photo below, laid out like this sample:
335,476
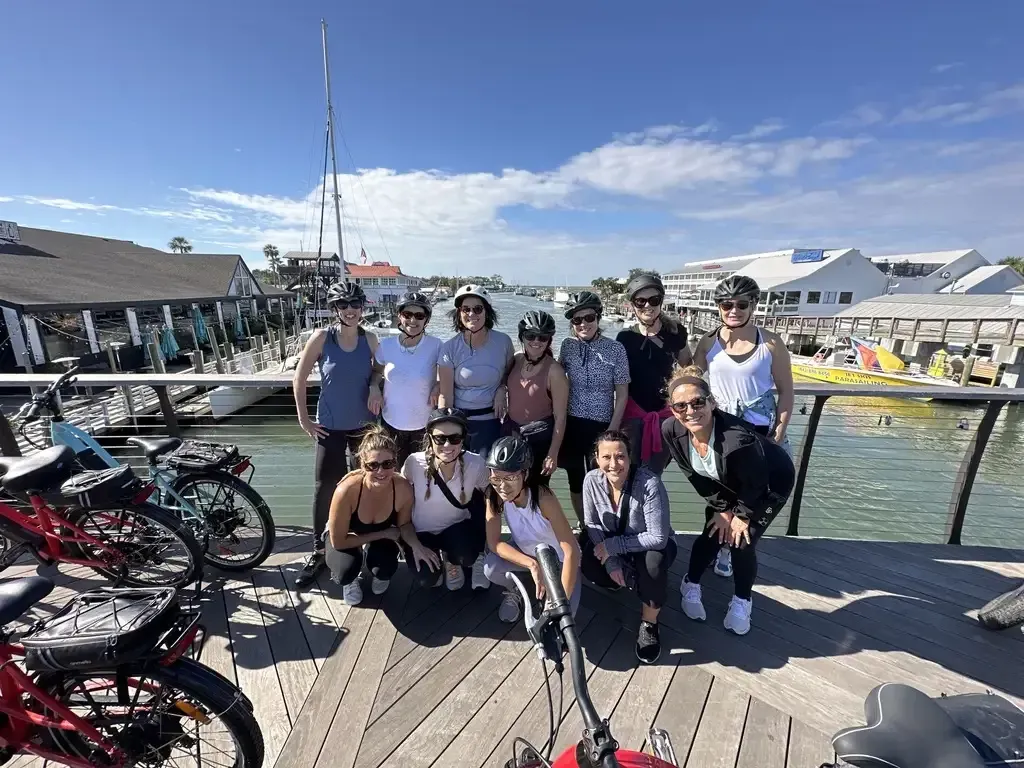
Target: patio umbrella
239,330
200,325
168,344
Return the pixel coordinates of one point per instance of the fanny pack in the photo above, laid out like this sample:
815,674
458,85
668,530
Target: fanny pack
477,411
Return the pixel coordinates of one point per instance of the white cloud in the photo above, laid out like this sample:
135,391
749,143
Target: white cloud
861,116
763,129
193,213
939,69
6,199
923,113
987,106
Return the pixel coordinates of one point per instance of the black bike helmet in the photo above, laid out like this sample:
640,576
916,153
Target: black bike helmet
537,321
344,291
447,415
510,454
736,287
642,281
583,300
416,299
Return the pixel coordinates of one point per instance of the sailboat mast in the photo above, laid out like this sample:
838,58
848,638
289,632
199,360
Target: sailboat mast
334,150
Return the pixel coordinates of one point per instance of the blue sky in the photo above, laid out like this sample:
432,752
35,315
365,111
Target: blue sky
545,141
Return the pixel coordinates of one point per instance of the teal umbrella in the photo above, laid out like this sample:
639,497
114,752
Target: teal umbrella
168,344
200,325
239,330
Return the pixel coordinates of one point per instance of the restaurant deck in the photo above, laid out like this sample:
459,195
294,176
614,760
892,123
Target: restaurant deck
432,678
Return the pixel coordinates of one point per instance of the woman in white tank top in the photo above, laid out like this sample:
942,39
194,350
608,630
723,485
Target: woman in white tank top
533,516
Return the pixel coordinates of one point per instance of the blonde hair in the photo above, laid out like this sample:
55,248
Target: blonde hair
376,438
691,374
428,451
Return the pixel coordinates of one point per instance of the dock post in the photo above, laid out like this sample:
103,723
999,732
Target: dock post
968,471
111,357
167,409
198,361
282,343
8,441
793,529
154,355
218,361
248,331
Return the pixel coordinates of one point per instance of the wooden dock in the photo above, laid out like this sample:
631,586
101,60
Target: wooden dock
423,678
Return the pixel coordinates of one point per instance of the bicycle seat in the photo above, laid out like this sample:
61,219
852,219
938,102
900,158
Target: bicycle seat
155,447
905,729
18,595
39,472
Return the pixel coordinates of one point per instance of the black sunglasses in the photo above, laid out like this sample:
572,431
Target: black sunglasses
653,301
476,309
581,319
373,466
730,305
439,439
696,404
535,336
348,304
406,315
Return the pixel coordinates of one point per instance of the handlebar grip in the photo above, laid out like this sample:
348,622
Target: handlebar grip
551,573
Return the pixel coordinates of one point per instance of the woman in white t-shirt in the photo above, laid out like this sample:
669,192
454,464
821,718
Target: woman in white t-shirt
448,502
409,361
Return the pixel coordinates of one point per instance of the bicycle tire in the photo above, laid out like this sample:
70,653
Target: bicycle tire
163,518
235,485
1004,611
198,682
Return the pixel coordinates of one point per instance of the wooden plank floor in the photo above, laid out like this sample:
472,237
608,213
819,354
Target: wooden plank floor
419,678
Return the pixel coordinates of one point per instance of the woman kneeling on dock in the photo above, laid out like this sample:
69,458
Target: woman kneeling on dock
533,516
628,538
448,510
372,509
744,477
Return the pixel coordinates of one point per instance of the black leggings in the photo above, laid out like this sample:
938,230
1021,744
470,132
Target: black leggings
650,569
540,445
461,543
577,454
381,559
408,441
330,464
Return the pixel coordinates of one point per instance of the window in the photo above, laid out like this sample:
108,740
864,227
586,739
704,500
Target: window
830,297
814,297
846,297
792,298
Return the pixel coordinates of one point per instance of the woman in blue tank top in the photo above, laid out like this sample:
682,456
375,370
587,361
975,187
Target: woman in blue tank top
350,398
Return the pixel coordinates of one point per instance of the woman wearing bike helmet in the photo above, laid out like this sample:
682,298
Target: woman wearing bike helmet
349,399
745,364
409,361
628,538
473,366
371,511
448,508
533,516
654,346
598,373
744,477
538,393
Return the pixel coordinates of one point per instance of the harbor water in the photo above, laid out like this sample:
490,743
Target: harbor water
881,467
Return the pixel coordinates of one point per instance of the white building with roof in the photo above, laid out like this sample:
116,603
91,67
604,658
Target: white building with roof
930,272
990,279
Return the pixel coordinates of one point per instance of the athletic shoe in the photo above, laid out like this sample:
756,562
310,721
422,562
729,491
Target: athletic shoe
738,618
379,586
723,564
310,568
480,580
511,607
692,605
353,593
454,577
648,643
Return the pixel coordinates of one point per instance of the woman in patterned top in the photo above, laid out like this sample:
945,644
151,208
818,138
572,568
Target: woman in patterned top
598,372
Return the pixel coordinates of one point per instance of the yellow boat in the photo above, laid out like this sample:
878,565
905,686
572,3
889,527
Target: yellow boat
871,364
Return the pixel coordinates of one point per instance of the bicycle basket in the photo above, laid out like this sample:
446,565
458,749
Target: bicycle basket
103,628
193,454
100,488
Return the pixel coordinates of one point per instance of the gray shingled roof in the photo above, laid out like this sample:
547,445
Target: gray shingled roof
937,307
51,270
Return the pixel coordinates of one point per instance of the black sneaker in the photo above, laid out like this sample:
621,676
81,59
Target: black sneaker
648,643
310,569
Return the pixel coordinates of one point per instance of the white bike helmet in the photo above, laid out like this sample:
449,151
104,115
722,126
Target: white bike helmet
472,290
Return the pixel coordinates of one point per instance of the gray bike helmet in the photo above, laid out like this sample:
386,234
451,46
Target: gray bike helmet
344,291
642,281
447,415
736,287
416,299
510,454
583,300
537,321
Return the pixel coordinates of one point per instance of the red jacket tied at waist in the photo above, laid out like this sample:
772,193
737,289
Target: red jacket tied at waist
650,441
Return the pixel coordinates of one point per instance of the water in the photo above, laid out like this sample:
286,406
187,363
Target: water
866,479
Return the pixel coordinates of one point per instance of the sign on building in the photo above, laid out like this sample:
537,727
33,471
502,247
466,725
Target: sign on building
9,231
804,257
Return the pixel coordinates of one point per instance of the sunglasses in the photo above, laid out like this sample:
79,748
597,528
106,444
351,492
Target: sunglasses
730,305
534,336
653,301
348,304
439,439
505,481
413,315
696,404
582,319
374,466
476,309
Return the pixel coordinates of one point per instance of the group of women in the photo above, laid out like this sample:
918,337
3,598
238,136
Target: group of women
453,444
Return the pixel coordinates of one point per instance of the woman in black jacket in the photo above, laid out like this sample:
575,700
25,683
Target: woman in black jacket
744,477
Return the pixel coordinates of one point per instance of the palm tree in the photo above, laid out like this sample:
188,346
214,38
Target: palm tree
1017,262
273,257
180,245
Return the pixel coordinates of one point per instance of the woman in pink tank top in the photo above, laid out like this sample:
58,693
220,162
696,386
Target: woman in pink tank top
538,394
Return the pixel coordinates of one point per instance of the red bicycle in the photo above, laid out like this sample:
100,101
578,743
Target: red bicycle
106,683
99,519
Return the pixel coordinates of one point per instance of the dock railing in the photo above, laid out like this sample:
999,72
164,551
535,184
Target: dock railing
872,462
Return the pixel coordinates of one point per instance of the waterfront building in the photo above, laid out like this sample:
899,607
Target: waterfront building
965,271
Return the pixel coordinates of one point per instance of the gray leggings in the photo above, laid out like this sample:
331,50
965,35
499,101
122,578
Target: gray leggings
497,569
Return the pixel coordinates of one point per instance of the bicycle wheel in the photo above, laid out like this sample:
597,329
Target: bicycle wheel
156,549
177,715
239,526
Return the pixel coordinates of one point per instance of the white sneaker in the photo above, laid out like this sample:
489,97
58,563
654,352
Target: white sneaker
454,577
511,606
692,605
723,564
738,618
480,580
379,586
353,593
